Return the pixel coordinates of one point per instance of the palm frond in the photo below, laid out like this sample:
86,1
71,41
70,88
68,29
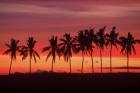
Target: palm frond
34,58
49,54
17,41
133,48
8,45
36,54
24,55
63,40
7,52
45,49
137,41
14,55
61,44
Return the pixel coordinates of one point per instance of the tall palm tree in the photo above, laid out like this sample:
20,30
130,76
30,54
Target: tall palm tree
90,37
81,40
127,44
112,40
29,50
101,40
13,48
67,47
53,49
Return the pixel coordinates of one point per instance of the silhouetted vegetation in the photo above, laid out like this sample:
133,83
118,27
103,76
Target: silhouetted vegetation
101,40
112,40
84,42
67,47
128,48
13,48
53,50
29,50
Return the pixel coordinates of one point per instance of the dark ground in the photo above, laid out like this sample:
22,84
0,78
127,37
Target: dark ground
62,82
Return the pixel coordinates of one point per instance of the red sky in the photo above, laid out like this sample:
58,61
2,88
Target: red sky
42,18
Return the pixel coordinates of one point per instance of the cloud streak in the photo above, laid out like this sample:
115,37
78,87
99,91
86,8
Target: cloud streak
95,11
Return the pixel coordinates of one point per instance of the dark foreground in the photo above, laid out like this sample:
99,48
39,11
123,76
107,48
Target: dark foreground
53,82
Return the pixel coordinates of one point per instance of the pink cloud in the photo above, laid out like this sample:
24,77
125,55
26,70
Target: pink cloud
93,11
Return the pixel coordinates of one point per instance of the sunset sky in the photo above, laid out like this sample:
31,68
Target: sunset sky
41,19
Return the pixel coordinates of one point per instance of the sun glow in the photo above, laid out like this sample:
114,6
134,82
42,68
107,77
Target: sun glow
62,66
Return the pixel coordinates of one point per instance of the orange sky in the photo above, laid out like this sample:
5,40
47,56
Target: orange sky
62,66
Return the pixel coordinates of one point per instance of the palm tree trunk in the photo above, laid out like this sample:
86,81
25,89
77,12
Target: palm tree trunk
10,67
111,58
92,63
127,62
30,65
101,59
70,64
82,62
52,65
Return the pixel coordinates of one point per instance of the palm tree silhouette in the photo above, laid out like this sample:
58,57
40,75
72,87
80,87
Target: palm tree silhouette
127,44
81,40
101,40
90,37
53,49
12,49
112,40
29,50
68,46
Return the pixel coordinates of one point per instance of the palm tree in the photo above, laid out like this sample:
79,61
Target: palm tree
127,44
67,48
90,36
112,40
101,40
29,50
53,49
81,45
12,49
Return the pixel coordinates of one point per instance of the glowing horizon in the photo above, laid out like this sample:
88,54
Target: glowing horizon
22,66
